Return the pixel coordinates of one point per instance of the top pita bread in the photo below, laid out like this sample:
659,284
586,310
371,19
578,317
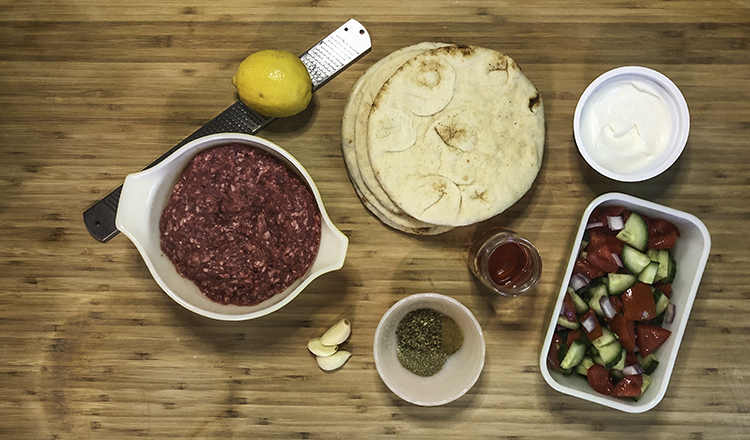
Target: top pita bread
437,136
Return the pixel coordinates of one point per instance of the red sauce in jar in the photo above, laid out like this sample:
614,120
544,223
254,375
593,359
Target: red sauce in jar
509,265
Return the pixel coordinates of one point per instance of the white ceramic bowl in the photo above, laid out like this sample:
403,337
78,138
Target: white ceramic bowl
144,196
677,108
690,253
460,372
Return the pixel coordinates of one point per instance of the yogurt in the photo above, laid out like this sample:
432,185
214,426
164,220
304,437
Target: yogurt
626,124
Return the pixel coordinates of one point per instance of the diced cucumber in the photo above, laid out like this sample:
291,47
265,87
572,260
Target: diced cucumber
579,304
661,301
616,375
593,287
606,338
663,259
583,367
591,350
620,282
563,346
567,324
596,293
646,382
658,320
671,270
634,260
586,341
635,232
648,273
583,253
598,359
621,363
574,355
611,354
649,363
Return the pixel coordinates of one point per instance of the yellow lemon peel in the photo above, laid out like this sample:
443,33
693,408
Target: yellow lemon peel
275,83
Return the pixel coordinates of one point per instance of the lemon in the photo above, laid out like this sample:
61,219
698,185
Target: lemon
274,83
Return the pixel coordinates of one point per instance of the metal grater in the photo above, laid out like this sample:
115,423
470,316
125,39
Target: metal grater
329,57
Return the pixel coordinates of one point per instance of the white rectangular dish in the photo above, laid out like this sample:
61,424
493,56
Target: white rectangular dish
690,253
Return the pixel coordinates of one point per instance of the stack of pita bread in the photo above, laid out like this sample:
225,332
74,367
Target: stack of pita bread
437,136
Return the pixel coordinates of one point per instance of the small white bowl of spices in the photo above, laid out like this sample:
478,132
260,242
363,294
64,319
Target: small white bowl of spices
429,349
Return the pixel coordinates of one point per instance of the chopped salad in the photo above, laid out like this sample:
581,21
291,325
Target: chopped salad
610,324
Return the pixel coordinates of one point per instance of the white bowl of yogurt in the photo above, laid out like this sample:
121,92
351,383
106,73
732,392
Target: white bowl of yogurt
631,124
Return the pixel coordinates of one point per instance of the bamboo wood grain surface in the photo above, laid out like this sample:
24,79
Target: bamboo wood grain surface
90,347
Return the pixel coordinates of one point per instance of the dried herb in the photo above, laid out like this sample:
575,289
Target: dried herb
425,339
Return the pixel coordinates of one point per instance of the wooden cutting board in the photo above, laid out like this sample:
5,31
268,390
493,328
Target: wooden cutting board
92,348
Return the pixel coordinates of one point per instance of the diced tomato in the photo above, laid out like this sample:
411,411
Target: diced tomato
602,259
664,288
569,308
553,355
615,245
596,332
662,234
600,249
597,214
599,379
598,238
630,358
661,226
600,214
650,337
584,267
638,303
625,330
572,336
666,241
616,304
629,386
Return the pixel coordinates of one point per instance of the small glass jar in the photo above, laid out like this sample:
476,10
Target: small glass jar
504,262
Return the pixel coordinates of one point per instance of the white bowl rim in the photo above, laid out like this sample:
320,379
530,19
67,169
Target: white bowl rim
683,116
215,140
678,333
415,298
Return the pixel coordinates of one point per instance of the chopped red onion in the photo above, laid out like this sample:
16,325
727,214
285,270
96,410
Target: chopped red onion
594,225
560,327
618,260
633,369
607,307
579,281
589,323
615,222
669,313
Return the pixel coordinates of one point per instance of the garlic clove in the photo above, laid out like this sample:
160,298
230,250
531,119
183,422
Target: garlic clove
319,349
337,334
330,363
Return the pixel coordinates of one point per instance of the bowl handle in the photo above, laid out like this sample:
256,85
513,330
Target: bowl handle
333,247
134,208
